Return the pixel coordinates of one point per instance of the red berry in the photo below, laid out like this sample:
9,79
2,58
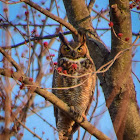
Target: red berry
48,57
22,55
51,70
52,55
96,5
57,30
138,7
64,71
127,38
131,6
30,79
21,79
5,10
18,16
45,44
110,24
21,86
33,31
29,87
137,1
59,69
21,134
55,63
120,35
43,132
12,71
74,66
24,6
26,13
43,20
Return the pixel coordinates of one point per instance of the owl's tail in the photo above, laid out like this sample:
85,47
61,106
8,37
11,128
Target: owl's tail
66,127
64,137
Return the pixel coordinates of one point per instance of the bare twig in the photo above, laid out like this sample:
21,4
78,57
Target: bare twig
33,39
10,59
136,76
101,15
60,104
34,134
6,2
52,16
13,26
28,33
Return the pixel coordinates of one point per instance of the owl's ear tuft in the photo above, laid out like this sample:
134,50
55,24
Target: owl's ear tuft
63,39
82,38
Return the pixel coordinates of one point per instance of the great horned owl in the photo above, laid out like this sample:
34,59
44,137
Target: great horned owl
75,62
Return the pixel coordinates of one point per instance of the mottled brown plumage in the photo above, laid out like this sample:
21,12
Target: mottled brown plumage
74,60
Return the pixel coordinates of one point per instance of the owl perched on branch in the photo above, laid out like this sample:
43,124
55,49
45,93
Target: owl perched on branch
74,72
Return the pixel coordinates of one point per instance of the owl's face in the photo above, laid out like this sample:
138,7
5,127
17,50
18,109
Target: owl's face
73,50
74,56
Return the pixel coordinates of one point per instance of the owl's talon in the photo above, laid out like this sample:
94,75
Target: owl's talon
72,109
77,115
74,112
84,118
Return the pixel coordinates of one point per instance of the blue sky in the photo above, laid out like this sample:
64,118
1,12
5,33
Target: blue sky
102,120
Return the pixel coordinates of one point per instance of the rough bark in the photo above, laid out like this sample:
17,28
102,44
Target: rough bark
121,75
117,82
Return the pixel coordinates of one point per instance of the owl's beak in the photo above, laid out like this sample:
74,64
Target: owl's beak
74,54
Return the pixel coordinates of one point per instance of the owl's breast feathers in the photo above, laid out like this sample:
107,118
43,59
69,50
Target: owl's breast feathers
79,89
76,66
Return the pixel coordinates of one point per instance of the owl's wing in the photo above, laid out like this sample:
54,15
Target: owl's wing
54,91
54,83
76,126
91,98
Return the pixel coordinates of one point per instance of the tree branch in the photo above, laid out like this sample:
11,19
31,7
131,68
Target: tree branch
57,102
52,16
34,39
90,6
34,134
10,59
49,96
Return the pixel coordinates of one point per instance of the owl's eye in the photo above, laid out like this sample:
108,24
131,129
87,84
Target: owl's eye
80,49
66,48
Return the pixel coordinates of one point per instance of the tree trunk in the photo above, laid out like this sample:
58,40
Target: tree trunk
117,82
123,110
